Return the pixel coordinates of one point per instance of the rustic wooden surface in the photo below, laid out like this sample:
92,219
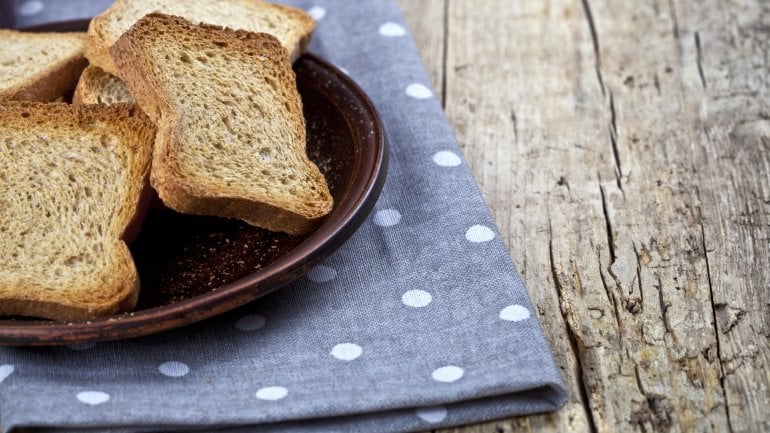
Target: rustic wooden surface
623,148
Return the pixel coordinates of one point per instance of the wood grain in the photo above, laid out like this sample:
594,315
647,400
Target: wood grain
623,149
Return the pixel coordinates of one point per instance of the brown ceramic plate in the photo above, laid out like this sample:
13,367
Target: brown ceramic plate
193,267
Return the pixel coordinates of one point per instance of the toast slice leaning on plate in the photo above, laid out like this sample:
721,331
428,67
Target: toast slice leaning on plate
292,26
231,133
71,184
99,87
39,66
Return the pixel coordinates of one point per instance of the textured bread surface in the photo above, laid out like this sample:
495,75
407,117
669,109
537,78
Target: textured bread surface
39,66
231,133
292,26
99,87
71,180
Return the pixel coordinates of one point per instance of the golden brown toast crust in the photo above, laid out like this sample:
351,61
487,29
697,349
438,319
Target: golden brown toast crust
24,294
53,82
184,192
103,32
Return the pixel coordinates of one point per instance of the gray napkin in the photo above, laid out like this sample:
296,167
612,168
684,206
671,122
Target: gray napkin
419,321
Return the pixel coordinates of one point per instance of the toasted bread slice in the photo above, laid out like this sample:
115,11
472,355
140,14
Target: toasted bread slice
99,87
71,179
39,66
292,26
231,133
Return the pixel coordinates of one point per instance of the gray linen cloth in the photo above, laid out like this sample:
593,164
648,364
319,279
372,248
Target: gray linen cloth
420,321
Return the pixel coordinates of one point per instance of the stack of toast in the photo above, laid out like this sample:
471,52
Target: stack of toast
196,100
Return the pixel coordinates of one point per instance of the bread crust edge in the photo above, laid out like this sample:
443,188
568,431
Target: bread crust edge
185,196
79,305
56,81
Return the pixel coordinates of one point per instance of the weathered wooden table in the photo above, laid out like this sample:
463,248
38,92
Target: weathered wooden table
623,148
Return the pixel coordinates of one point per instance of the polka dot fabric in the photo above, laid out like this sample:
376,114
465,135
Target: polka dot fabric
31,7
409,325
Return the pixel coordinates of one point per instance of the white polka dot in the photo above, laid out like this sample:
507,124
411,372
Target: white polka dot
514,313
272,393
347,351
416,298
392,29
431,414
250,322
31,8
317,12
479,233
173,369
81,346
446,158
93,397
387,217
322,274
5,371
449,373
417,90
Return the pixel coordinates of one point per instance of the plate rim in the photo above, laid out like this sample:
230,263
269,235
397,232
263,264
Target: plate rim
319,245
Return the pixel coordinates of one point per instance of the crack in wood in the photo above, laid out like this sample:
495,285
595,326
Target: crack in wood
731,315
571,335
657,413
638,377
595,40
612,300
614,143
607,223
638,307
663,307
674,19
720,365
515,124
699,59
